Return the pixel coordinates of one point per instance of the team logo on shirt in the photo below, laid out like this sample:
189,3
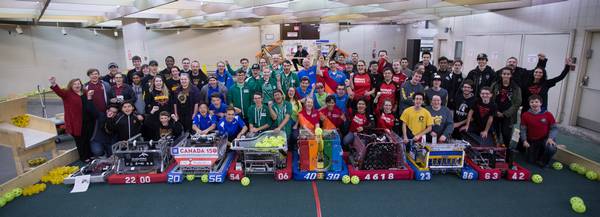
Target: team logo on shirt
437,120
421,118
483,111
543,120
358,120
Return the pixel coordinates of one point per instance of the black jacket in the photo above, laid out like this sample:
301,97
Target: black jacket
127,93
430,70
157,130
481,79
451,83
124,126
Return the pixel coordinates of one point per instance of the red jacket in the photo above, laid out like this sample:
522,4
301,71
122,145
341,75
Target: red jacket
73,110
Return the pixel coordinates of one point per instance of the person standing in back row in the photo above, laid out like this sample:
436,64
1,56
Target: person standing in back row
430,69
483,75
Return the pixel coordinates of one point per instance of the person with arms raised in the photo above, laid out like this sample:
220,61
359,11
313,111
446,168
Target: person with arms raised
78,123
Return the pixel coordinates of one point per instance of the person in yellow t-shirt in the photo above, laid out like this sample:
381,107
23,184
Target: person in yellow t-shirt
416,120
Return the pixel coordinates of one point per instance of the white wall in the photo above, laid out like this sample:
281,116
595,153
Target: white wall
363,39
29,59
561,17
267,31
207,45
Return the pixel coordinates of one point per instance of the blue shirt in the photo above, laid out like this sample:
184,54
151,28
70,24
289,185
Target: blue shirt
222,109
224,79
231,129
204,122
338,76
311,73
302,94
212,90
341,102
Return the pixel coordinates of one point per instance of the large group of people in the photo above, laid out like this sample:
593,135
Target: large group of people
306,92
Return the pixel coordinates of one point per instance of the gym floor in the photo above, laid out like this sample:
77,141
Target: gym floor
444,195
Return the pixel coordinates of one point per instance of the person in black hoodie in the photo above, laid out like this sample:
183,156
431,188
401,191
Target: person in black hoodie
127,123
444,68
430,69
483,75
453,83
168,125
137,64
101,141
521,75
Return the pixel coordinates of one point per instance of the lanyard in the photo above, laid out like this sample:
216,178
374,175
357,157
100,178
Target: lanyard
257,116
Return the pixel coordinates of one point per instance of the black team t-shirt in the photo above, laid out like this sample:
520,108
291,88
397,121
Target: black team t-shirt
504,97
463,106
481,113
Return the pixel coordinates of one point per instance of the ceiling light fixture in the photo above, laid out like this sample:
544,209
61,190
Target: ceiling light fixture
115,33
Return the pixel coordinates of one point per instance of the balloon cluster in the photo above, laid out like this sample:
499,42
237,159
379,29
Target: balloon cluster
20,121
57,175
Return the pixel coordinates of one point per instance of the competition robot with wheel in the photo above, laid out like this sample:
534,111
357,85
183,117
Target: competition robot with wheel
205,155
432,150
261,151
486,155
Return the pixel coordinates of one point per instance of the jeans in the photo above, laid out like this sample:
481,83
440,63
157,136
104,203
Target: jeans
348,140
540,152
101,149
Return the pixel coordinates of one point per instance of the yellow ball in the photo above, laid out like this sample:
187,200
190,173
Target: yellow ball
345,179
245,181
355,180
204,178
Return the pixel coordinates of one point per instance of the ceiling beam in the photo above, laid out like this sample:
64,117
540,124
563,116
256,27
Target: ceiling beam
44,4
138,6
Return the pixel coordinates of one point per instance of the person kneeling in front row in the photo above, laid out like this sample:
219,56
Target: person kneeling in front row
539,130
232,125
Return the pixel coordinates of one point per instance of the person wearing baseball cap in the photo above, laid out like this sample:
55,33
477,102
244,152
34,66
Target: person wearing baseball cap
113,69
436,90
254,81
153,68
483,75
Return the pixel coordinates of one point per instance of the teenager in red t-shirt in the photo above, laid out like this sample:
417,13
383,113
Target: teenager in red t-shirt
308,118
387,119
359,122
387,90
539,130
331,116
361,82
